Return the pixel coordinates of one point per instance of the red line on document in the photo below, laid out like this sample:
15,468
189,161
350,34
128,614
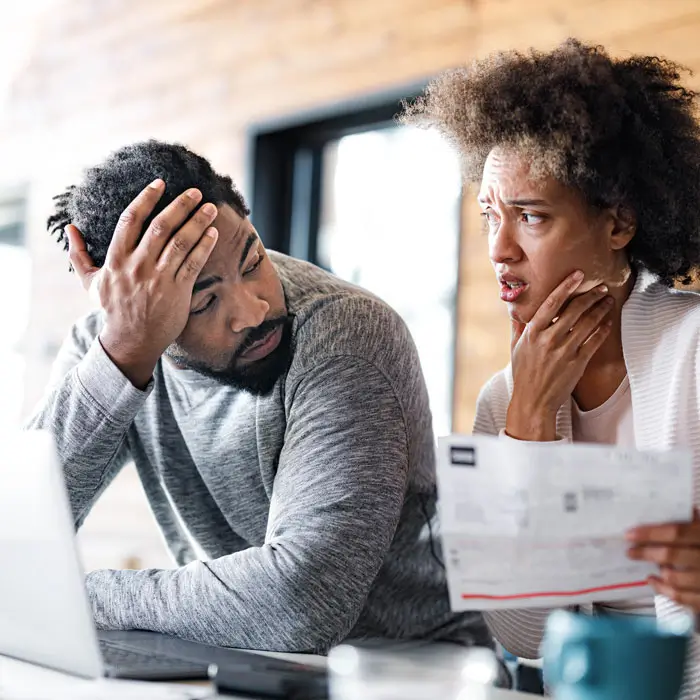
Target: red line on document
546,594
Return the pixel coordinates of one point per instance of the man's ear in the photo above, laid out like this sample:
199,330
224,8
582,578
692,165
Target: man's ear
623,226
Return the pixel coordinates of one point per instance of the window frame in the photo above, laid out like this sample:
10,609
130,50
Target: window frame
284,167
285,162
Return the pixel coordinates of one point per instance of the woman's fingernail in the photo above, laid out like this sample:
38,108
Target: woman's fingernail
578,275
156,184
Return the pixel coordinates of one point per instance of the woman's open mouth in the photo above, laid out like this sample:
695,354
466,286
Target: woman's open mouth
511,287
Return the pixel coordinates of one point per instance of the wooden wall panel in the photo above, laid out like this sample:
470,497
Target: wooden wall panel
200,71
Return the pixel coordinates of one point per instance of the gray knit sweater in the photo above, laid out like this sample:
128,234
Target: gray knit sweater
296,519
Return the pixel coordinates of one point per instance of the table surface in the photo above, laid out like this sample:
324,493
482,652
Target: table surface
22,681
320,661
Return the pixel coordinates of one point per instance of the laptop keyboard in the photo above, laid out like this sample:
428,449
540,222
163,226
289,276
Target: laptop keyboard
117,656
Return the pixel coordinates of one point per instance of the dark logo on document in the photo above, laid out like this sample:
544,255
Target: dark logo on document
463,456
570,502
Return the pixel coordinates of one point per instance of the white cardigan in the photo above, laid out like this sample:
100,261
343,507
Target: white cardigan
661,345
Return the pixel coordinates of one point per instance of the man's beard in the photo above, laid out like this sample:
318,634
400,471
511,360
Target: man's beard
258,377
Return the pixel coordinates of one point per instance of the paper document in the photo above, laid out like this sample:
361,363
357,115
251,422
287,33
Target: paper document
543,524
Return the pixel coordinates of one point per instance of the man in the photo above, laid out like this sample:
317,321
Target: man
277,416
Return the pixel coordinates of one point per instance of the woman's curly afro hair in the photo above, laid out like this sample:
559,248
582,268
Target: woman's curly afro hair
623,132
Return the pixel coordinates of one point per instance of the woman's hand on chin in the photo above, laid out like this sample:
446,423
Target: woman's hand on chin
549,356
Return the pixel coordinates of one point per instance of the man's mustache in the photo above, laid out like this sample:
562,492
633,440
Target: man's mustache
255,335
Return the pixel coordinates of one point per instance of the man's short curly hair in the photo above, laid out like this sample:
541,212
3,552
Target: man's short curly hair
94,206
621,131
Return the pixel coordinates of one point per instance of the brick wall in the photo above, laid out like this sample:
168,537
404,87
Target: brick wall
200,71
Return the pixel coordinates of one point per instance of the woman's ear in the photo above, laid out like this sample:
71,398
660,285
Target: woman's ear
623,227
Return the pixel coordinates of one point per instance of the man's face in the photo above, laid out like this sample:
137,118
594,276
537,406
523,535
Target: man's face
238,331
540,232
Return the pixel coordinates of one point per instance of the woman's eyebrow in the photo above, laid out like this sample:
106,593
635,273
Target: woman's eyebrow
525,202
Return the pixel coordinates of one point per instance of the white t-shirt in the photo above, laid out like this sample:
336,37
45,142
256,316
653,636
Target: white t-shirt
612,424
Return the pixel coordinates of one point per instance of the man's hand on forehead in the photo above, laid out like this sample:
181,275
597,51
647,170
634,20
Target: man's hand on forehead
145,286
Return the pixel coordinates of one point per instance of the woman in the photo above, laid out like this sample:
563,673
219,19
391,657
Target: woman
590,191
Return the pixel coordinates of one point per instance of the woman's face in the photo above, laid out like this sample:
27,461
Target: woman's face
541,231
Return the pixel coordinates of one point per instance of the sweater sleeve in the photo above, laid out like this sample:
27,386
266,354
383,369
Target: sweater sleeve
88,408
336,502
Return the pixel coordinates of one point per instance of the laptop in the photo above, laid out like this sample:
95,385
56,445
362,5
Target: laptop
45,615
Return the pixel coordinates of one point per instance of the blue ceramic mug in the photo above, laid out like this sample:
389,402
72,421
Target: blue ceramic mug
614,657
